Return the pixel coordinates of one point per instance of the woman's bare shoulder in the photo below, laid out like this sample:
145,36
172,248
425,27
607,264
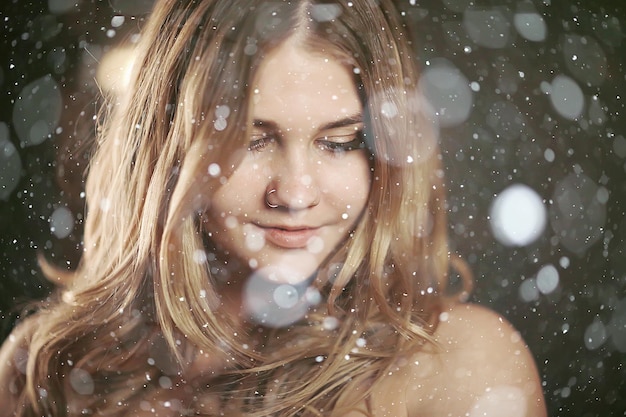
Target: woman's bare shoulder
479,367
483,368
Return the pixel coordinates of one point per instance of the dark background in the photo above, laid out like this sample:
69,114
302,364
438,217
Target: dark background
513,134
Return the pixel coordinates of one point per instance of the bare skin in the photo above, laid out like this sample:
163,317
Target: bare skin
481,368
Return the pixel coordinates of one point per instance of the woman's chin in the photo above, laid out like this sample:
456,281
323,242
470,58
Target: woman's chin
293,268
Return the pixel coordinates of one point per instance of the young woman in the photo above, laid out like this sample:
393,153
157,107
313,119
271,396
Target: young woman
266,236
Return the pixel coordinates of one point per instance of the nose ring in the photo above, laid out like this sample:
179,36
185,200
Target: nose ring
267,198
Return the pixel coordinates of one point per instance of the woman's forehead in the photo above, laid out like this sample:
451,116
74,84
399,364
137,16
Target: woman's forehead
292,82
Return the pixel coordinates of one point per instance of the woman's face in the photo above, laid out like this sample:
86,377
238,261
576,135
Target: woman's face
305,178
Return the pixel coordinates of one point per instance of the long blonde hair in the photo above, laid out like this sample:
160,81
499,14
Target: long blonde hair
139,284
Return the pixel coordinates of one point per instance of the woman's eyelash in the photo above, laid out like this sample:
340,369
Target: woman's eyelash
331,144
334,146
259,143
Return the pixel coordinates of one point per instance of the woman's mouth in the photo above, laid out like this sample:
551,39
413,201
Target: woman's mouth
289,237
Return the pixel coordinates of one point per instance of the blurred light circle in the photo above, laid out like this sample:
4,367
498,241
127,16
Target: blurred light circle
62,6
597,113
117,21
566,97
286,296
517,216
488,28
585,59
617,326
115,69
547,279
272,303
531,26
448,93
61,222
608,28
498,398
133,8
578,212
81,381
602,195
37,111
10,164
325,12
455,5
255,241
619,146
528,290
595,334
506,120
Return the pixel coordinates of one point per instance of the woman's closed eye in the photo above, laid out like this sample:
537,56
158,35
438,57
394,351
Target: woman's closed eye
341,144
259,143
334,145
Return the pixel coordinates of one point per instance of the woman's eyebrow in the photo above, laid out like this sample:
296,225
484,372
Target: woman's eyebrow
265,124
343,122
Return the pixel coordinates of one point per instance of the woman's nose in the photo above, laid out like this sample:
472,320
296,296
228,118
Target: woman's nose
293,185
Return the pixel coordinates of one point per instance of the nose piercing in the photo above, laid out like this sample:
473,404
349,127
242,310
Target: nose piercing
267,198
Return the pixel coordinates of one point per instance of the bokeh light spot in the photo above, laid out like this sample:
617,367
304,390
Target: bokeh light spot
595,334
488,28
585,59
547,279
10,164
517,216
448,93
531,26
61,222
499,398
255,241
528,290
37,111
577,216
273,303
566,97
81,381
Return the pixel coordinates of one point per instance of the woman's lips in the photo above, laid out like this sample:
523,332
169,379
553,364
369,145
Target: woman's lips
289,238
